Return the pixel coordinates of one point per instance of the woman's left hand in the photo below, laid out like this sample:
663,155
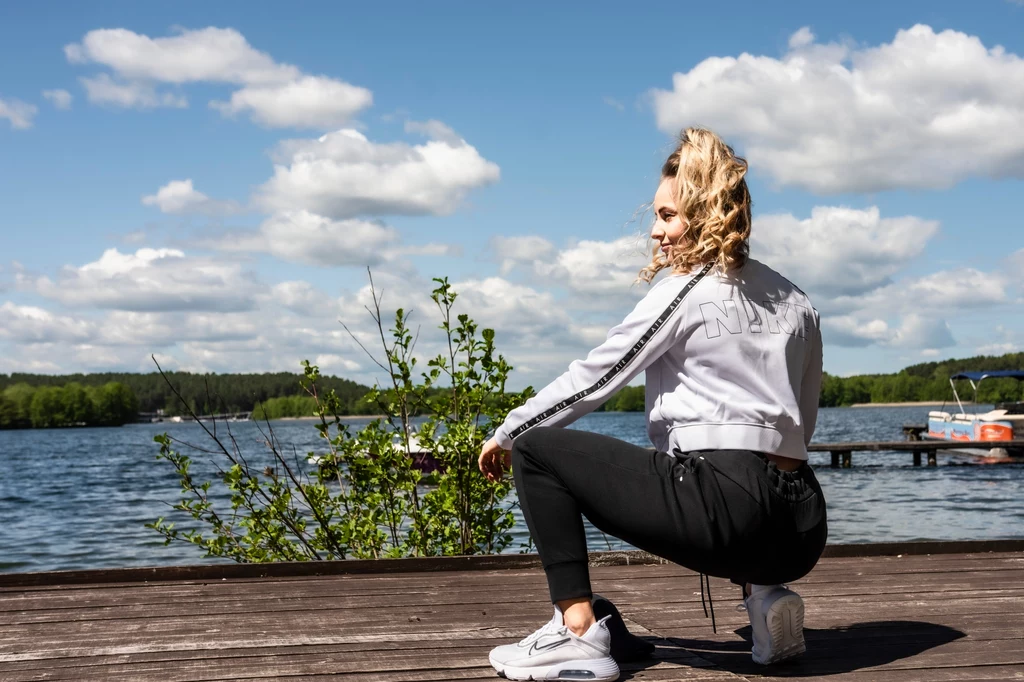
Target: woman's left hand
494,460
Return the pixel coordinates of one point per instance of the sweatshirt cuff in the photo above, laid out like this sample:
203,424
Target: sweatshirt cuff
501,437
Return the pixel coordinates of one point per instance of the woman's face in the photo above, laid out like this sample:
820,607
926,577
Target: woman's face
668,225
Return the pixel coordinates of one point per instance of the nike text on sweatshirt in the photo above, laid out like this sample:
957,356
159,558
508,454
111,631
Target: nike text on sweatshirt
733,362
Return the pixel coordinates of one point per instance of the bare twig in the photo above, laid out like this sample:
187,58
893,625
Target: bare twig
223,450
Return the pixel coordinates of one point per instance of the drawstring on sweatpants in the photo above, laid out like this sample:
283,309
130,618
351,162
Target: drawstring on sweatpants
711,602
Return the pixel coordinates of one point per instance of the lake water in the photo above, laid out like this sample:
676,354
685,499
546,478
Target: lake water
79,498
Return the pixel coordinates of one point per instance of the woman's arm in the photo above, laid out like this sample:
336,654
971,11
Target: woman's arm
810,387
653,326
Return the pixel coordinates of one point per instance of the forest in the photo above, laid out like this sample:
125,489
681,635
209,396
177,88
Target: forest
205,393
39,400
926,381
23,405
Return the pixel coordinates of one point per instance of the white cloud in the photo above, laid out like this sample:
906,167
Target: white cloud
29,324
180,197
847,330
209,54
534,329
1000,348
802,38
304,237
274,94
19,113
309,102
840,251
300,297
597,268
12,362
593,271
103,89
343,175
434,130
850,262
337,364
148,330
912,312
914,331
150,280
125,340
926,110
453,250
61,98
516,309
918,331
942,292
526,249
1015,269
614,103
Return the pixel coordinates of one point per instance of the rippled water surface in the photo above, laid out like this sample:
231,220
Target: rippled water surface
80,498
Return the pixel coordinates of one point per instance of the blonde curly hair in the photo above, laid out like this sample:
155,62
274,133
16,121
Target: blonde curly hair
712,199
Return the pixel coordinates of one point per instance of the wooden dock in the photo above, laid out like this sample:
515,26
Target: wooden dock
842,453
874,613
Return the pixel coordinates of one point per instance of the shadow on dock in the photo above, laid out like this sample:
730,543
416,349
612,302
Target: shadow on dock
830,651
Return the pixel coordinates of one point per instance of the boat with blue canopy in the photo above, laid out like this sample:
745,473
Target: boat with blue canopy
1005,421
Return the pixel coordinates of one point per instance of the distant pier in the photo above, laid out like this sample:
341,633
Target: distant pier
842,453
157,417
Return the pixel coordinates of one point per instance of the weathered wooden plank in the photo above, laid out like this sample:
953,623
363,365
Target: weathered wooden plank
873,568
257,664
443,564
253,665
996,570
836,596
55,611
883,615
818,640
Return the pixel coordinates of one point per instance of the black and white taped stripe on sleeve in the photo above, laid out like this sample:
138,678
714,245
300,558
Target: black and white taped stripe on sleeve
624,362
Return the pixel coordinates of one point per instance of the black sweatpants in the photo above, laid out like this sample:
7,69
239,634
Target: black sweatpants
727,513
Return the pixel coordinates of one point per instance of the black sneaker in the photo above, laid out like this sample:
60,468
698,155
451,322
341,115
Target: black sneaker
625,646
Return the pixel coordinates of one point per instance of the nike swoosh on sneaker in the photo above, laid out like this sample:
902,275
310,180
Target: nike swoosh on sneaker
550,645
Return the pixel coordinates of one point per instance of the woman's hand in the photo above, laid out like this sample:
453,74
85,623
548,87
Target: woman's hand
494,460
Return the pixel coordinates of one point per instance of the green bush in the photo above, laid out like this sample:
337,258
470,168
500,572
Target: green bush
366,499
286,407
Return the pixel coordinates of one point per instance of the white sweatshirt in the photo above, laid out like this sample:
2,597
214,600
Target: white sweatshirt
733,362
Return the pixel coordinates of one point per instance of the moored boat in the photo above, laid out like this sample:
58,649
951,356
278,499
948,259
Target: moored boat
1004,422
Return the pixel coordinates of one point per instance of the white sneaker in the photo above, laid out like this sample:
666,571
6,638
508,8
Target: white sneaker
554,652
777,621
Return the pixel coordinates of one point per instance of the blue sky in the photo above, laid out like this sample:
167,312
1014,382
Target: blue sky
207,182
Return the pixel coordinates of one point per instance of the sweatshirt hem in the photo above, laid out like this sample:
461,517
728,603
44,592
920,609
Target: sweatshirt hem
733,436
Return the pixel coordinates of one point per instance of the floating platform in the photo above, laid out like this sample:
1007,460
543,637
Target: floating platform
900,612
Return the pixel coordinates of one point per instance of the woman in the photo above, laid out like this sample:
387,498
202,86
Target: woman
732,353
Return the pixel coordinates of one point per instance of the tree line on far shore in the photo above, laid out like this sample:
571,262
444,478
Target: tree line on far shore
204,393
36,400
926,381
25,406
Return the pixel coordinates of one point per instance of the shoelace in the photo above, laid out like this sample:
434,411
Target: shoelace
706,578
548,628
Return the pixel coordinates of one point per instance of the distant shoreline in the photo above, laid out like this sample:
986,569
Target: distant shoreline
921,403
